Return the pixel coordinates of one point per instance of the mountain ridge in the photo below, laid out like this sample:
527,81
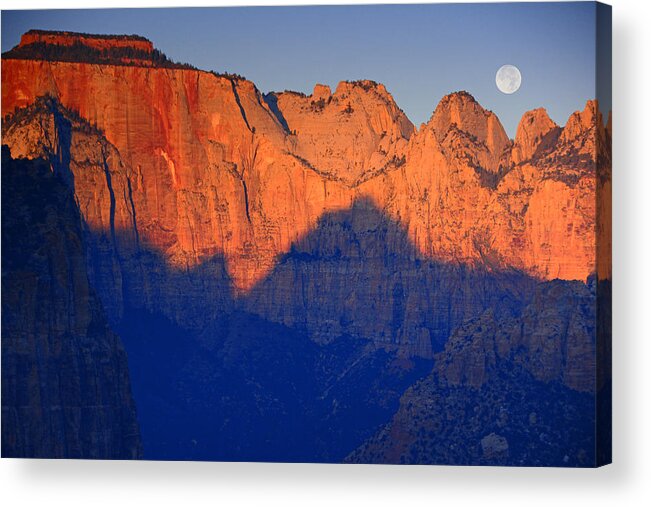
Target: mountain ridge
68,38
283,262
202,165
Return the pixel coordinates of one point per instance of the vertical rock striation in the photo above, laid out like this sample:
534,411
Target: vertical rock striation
65,381
212,183
231,225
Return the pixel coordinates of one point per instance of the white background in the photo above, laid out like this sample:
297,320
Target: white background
626,482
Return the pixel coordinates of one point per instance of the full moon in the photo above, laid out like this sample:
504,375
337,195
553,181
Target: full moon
508,79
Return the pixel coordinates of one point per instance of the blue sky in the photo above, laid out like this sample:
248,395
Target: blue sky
420,52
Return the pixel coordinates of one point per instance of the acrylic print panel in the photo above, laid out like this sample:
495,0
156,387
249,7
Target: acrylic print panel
388,243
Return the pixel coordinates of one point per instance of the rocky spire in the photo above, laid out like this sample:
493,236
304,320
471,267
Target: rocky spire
535,129
462,112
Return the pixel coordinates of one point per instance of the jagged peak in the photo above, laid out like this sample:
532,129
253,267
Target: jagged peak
458,96
537,115
360,90
459,101
580,122
534,130
467,115
365,85
591,112
321,91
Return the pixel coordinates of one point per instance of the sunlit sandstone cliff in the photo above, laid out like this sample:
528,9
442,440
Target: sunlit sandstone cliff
207,173
349,135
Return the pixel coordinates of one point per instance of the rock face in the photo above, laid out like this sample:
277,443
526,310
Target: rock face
516,390
209,209
350,135
215,181
276,165
65,382
535,130
552,338
353,260
459,121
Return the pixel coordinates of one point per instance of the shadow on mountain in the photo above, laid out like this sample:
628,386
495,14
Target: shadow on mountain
518,392
358,273
313,361
131,275
512,420
65,381
271,99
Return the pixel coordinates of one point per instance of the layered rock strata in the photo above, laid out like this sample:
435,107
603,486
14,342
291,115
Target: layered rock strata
65,381
206,173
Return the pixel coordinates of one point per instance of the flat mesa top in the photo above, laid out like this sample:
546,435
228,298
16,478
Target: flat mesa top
77,35
96,41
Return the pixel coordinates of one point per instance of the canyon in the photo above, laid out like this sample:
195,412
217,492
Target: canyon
326,232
